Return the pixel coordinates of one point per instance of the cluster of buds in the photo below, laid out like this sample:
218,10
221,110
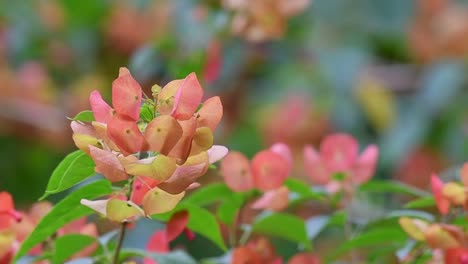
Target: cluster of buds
338,166
263,20
159,146
266,172
448,242
15,227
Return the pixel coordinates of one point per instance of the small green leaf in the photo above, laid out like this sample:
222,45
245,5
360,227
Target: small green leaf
393,186
200,221
73,169
283,225
209,194
421,203
301,192
376,237
67,245
84,116
65,211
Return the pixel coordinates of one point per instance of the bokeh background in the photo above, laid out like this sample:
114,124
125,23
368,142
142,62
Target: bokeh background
392,73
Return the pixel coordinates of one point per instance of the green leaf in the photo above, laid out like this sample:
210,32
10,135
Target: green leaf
209,194
67,245
173,257
84,116
65,211
301,191
74,168
200,221
421,203
283,225
227,210
393,186
376,237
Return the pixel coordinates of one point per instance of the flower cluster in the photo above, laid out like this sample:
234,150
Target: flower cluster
337,165
15,227
263,20
159,146
448,242
266,172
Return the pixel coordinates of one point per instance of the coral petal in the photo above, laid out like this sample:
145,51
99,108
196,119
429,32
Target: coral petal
236,171
365,165
101,110
108,164
269,170
188,98
339,152
437,186
210,113
126,95
125,134
314,166
163,133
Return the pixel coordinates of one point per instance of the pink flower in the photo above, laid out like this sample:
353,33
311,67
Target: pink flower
339,155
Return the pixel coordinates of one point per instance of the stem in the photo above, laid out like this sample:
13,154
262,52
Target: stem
123,227
348,229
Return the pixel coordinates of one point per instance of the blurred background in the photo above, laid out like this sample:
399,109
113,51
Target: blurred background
392,73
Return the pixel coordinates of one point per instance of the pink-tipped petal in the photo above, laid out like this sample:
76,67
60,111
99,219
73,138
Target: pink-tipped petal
339,152
284,151
314,166
216,153
236,171
188,98
275,200
269,170
101,110
186,174
181,150
210,113
141,186
108,164
125,134
126,95
443,204
364,168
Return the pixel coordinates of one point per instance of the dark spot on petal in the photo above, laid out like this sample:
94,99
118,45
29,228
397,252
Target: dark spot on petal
127,131
158,130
